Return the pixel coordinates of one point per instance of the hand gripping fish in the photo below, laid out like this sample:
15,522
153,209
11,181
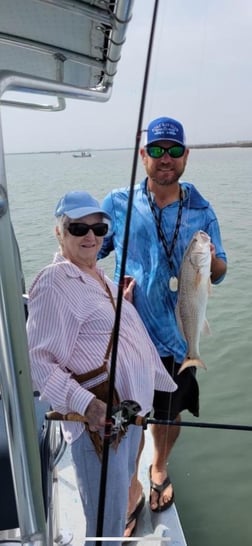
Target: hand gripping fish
193,290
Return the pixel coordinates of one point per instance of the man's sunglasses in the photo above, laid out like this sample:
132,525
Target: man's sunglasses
78,229
174,151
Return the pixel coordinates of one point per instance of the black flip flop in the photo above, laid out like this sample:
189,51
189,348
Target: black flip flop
134,515
159,489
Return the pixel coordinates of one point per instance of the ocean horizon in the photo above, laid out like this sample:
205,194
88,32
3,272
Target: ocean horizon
236,144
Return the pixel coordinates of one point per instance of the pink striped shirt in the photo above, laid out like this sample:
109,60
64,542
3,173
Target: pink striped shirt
69,325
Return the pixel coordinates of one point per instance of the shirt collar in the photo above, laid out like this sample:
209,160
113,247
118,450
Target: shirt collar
190,194
73,270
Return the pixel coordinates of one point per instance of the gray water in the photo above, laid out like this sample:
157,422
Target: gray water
211,469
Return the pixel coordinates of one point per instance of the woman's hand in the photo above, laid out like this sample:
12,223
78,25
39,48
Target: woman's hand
96,414
128,288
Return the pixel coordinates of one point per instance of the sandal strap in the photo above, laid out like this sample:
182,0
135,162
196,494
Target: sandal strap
159,488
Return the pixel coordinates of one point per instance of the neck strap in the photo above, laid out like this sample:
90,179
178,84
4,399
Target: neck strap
168,251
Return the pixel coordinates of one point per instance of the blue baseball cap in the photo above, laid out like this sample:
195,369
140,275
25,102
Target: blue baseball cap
165,129
76,204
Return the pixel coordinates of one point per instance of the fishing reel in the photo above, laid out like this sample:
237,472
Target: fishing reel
123,415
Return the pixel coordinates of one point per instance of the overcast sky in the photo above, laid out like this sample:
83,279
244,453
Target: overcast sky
201,74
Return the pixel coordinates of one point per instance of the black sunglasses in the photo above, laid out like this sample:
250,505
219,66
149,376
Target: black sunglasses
78,229
175,151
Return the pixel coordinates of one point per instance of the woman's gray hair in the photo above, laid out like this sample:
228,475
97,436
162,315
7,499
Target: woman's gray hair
62,222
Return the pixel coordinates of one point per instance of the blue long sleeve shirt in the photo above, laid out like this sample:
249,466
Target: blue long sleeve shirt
147,261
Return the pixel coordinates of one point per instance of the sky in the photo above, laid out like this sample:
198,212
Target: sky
201,74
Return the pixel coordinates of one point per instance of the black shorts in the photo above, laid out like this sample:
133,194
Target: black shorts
167,405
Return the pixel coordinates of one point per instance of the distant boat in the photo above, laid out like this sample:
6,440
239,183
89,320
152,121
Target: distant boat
83,154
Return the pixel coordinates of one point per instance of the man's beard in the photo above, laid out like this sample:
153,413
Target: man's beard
164,182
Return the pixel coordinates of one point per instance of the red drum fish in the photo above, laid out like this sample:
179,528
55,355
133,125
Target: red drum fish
193,290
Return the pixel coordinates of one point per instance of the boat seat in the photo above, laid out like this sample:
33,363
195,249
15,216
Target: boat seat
48,453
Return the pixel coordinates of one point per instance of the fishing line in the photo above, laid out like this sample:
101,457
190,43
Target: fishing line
184,224
108,423
157,54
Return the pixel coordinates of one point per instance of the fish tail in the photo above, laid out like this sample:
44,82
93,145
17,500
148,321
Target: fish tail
192,362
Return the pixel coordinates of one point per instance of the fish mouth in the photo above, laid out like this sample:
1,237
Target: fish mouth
204,235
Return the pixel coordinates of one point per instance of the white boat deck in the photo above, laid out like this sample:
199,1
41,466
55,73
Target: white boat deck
156,529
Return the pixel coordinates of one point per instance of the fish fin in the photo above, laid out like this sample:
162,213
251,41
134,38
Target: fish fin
192,362
206,328
198,277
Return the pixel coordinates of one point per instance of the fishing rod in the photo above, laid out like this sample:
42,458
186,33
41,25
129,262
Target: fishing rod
126,414
200,424
108,424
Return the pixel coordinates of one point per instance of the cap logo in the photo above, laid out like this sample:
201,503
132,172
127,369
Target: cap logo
163,127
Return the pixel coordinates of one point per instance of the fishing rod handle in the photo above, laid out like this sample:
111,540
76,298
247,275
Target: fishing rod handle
56,416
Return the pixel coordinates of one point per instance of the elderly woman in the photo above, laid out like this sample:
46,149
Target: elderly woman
71,317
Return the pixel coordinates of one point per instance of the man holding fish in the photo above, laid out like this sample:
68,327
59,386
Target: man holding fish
174,253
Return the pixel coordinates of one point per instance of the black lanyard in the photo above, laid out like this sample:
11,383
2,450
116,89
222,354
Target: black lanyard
168,251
